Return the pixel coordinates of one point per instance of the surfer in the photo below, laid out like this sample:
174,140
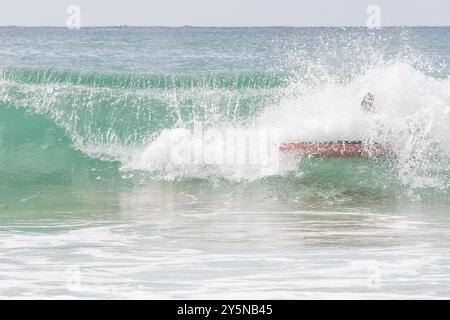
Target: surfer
367,104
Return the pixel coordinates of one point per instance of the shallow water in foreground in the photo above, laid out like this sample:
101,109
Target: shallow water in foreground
184,240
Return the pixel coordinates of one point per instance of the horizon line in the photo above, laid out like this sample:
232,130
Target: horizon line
224,26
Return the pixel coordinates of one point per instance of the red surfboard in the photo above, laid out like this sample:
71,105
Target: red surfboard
338,149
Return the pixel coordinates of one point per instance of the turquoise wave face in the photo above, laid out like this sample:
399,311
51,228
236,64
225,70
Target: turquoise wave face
133,106
55,125
35,151
138,81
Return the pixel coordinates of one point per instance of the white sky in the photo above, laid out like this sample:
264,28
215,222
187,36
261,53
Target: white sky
224,12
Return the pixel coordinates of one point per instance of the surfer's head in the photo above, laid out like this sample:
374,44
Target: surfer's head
367,104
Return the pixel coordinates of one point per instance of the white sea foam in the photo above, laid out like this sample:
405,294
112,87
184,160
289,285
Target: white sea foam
170,254
413,115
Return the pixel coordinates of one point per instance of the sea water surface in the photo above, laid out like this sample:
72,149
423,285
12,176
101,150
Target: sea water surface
92,204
